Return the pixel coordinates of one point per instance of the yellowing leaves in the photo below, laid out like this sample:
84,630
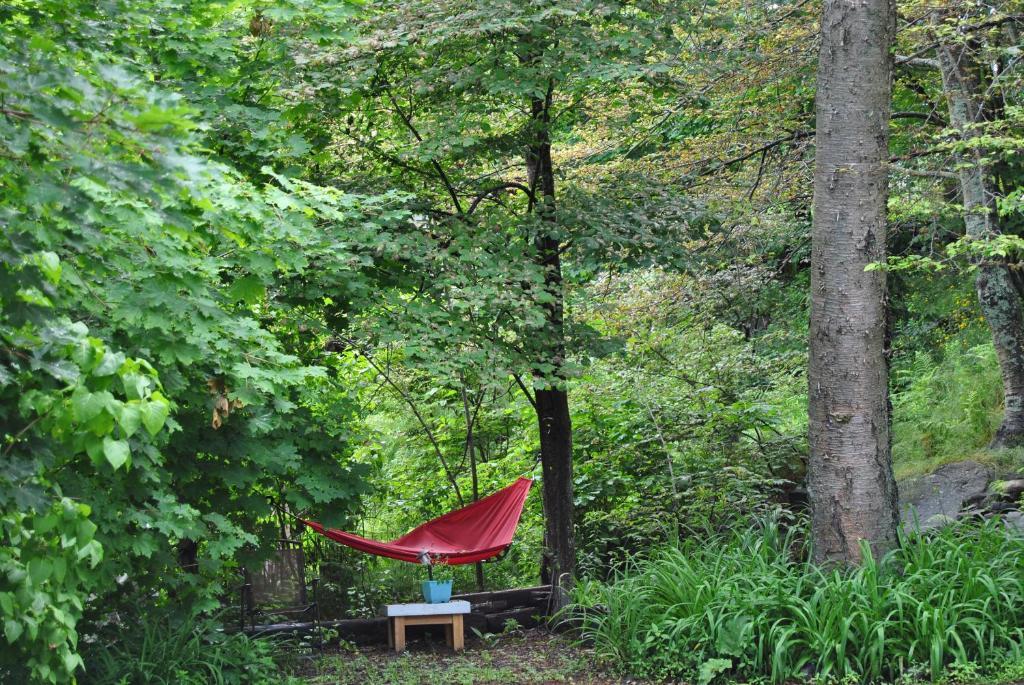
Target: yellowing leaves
222,405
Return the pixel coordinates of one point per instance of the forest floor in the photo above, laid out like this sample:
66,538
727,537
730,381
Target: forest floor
530,657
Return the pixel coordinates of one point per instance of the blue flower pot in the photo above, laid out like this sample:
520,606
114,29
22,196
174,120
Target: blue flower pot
436,591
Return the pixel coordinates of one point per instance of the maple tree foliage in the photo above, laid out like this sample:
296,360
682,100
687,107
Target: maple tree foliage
263,257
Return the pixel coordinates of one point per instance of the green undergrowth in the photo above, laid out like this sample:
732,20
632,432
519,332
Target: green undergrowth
999,673
749,606
161,649
948,410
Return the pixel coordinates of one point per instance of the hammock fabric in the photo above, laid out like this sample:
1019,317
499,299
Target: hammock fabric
479,531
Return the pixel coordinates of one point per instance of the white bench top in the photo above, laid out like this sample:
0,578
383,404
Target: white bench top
459,606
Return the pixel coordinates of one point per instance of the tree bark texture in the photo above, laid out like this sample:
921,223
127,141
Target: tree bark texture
998,296
552,399
850,479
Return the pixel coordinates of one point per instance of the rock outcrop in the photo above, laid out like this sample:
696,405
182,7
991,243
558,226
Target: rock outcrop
935,499
958,490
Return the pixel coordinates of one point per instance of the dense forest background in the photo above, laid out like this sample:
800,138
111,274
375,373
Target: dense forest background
342,258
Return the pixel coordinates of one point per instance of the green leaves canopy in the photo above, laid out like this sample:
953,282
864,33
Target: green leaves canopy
139,280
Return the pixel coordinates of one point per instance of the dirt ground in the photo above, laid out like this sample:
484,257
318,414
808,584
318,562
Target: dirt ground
525,656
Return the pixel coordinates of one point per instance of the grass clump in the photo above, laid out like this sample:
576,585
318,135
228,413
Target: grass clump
751,606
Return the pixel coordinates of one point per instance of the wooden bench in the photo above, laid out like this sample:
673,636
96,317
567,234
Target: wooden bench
447,614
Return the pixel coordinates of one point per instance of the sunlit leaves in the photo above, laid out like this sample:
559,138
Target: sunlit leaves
154,413
116,452
115,214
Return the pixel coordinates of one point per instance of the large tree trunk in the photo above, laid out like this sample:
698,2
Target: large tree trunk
998,296
850,480
552,398
556,461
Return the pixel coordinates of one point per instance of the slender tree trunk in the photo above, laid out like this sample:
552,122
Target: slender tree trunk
479,566
470,417
998,297
552,398
850,479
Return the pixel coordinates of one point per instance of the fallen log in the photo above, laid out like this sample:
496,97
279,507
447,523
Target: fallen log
490,611
360,630
527,596
489,607
527,617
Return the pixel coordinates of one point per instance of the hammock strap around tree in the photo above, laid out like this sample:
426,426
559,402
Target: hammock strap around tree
476,532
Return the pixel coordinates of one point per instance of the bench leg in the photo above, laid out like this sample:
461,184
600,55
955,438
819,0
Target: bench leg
458,643
398,633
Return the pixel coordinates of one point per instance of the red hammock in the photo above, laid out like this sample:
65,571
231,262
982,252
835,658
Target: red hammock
479,531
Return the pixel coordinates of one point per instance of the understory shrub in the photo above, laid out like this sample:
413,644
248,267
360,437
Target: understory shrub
945,411
160,648
750,605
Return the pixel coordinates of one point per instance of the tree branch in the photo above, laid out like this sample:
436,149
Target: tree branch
930,117
416,412
434,163
15,113
796,135
926,173
501,186
522,386
922,62
914,154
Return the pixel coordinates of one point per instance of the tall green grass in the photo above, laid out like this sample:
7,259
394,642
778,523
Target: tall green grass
751,606
161,649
